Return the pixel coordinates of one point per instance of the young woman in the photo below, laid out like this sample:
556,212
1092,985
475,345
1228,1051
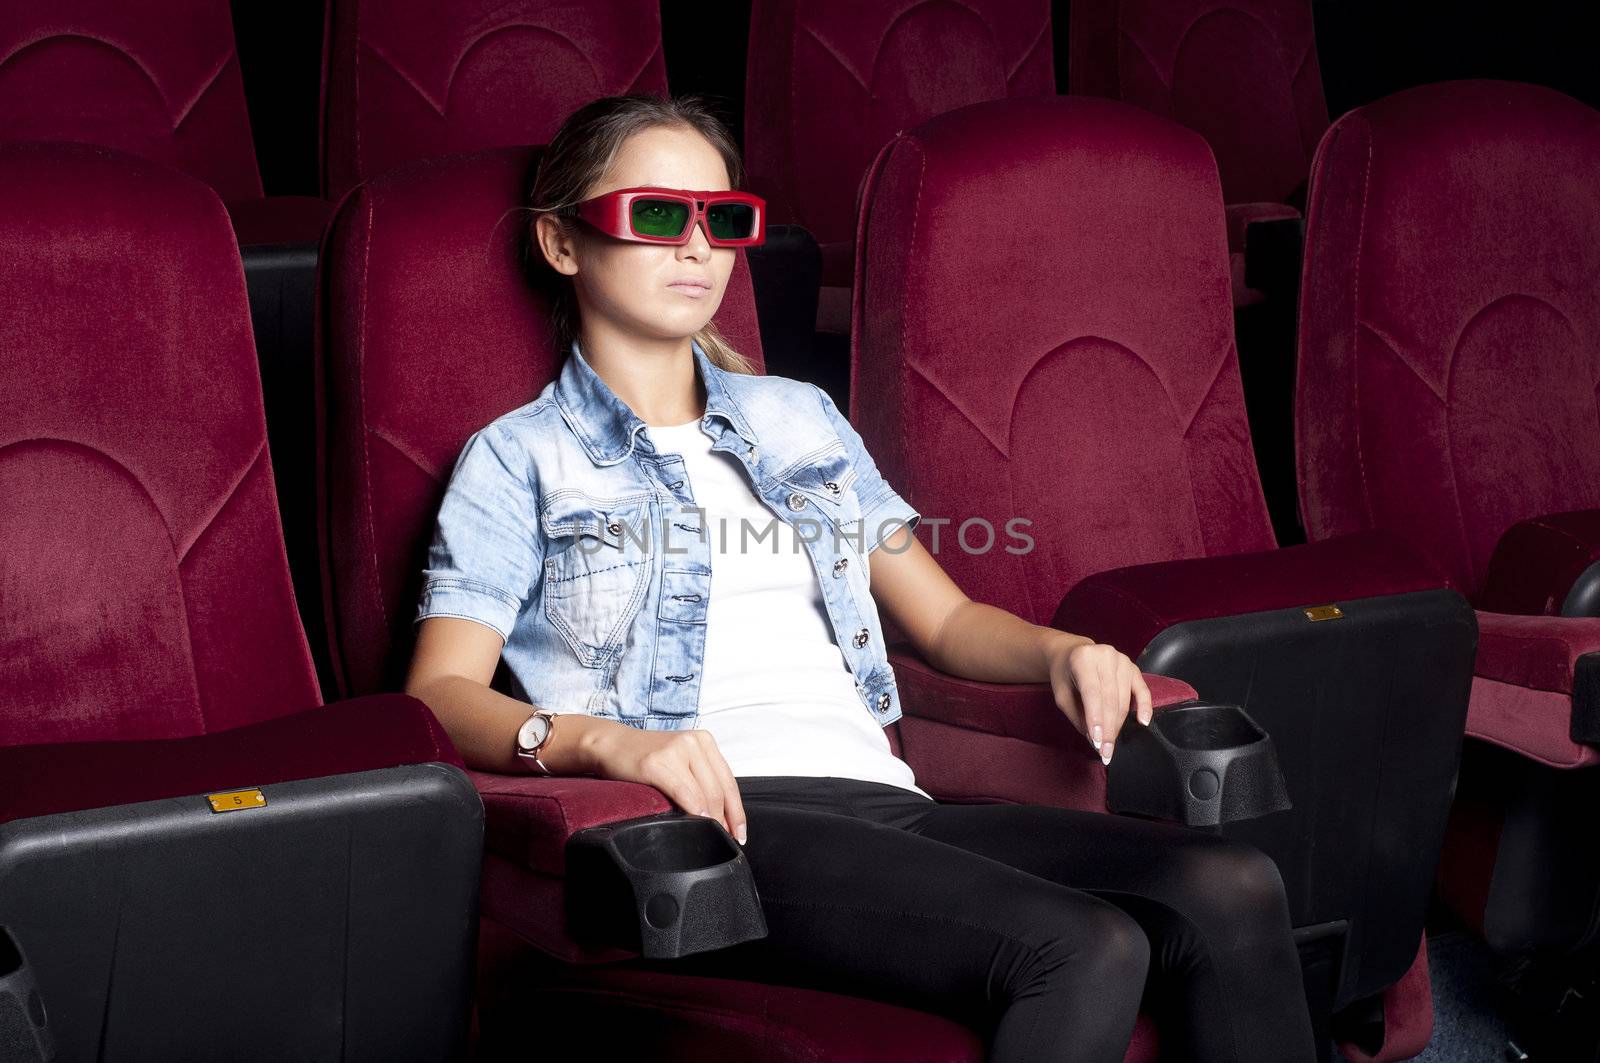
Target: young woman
660,545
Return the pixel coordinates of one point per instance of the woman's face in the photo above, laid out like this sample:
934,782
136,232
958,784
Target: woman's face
653,290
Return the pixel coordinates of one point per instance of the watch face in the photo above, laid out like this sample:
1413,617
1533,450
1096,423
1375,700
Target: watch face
533,732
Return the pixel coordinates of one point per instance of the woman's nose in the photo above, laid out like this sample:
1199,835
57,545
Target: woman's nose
698,247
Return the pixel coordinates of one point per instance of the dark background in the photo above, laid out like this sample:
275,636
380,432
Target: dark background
1367,48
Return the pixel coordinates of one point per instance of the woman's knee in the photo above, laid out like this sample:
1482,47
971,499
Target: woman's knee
1103,946
1231,883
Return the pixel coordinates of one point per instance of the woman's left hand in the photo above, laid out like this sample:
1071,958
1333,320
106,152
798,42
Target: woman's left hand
1096,685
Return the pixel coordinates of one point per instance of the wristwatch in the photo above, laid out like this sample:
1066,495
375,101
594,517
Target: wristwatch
532,736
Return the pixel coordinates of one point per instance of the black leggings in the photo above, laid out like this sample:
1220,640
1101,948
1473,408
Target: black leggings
1039,925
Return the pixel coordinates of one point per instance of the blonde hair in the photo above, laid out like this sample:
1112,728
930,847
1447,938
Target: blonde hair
581,152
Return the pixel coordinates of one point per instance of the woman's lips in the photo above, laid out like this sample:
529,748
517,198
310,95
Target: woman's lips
692,289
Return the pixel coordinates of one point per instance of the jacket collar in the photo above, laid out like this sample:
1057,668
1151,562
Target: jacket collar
607,426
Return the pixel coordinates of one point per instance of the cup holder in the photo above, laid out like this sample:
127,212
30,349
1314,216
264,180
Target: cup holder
1199,763
663,886
24,1028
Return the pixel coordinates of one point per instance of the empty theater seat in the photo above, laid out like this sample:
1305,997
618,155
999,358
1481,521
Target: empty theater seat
161,80
1081,375
1449,355
150,656
158,80
406,79
1242,73
431,330
829,82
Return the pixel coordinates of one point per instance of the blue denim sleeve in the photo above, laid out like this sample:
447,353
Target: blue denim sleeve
882,508
488,546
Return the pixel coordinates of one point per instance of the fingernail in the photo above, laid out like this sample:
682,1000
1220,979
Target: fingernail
744,836
1097,736
1105,754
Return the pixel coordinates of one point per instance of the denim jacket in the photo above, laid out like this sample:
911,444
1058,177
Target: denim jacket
567,532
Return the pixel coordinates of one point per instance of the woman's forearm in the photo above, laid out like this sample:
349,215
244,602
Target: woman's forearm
980,641
483,723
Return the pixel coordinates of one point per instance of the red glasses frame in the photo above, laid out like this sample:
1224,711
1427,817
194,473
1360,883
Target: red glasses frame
612,214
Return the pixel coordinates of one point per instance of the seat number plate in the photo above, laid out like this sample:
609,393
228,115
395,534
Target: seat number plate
236,800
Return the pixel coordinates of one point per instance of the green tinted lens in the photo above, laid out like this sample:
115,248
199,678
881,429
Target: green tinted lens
731,221
659,217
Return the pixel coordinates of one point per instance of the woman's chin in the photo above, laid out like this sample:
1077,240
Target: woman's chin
683,321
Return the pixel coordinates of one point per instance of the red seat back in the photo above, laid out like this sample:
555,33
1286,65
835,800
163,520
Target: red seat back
1450,322
405,79
830,81
1044,330
159,79
145,589
430,329
1243,74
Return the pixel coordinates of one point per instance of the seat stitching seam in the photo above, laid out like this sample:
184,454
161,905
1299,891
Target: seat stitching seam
376,578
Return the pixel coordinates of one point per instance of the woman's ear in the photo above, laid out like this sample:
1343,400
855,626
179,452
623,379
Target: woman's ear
557,244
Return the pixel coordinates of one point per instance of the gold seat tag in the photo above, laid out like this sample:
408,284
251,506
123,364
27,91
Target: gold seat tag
1324,612
235,800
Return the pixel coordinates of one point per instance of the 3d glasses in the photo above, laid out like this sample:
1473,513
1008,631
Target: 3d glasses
669,216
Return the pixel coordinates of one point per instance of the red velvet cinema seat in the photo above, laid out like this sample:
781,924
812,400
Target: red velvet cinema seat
829,81
406,79
1450,351
430,330
1242,73
150,657
161,79
1044,332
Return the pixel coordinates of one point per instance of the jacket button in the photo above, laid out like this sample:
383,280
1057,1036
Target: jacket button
840,565
751,454
830,485
796,501
614,528
861,638
883,702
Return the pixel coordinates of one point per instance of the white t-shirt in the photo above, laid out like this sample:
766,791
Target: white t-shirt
775,691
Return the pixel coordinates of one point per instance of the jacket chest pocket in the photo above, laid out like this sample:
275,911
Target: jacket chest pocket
596,572
823,485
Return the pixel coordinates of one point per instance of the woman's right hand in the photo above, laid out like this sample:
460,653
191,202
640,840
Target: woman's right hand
687,766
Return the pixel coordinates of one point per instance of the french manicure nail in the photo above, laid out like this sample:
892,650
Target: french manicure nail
1105,755
744,836
1097,736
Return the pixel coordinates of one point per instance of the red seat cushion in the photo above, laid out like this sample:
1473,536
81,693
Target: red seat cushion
973,741
1128,607
363,734
1536,562
1522,694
